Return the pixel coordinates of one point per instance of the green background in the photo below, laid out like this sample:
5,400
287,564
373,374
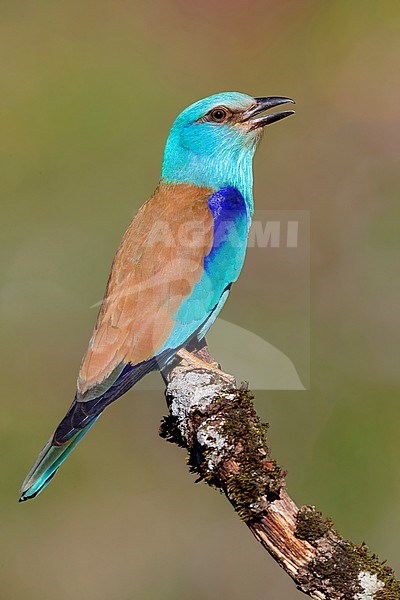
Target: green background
88,93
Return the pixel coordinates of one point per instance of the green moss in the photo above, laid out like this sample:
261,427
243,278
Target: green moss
341,571
371,564
259,479
338,571
311,525
338,563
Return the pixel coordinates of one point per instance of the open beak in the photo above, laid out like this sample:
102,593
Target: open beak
263,104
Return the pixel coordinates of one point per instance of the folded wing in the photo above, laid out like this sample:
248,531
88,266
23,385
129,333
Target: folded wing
160,259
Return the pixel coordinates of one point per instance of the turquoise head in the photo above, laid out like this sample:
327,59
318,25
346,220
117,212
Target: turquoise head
212,142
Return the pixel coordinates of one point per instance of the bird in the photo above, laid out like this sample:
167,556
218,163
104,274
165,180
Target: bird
175,265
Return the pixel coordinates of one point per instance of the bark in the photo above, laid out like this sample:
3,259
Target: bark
228,448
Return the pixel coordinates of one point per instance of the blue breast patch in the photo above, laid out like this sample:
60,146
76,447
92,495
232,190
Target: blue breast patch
229,213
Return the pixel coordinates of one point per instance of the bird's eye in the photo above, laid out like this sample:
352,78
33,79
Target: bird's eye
218,115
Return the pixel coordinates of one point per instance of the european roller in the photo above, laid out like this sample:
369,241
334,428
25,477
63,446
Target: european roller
176,263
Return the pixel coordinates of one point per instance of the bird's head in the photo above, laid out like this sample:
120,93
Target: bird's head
212,142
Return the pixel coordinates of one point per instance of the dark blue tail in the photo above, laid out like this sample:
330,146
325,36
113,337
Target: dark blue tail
76,423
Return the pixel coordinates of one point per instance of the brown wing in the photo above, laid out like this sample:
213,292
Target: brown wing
159,260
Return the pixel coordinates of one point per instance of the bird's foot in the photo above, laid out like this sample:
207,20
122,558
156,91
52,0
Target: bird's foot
201,359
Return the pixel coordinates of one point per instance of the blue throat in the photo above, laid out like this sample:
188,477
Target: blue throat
217,165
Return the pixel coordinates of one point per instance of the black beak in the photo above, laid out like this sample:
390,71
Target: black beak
263,104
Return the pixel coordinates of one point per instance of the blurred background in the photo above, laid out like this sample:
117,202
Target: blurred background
88,93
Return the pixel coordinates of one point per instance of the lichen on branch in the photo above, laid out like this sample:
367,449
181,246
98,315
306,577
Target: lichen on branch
228,449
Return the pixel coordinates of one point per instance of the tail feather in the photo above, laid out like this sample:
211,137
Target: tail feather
48,462
76,423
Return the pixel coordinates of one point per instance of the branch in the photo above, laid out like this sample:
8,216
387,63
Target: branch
228,449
